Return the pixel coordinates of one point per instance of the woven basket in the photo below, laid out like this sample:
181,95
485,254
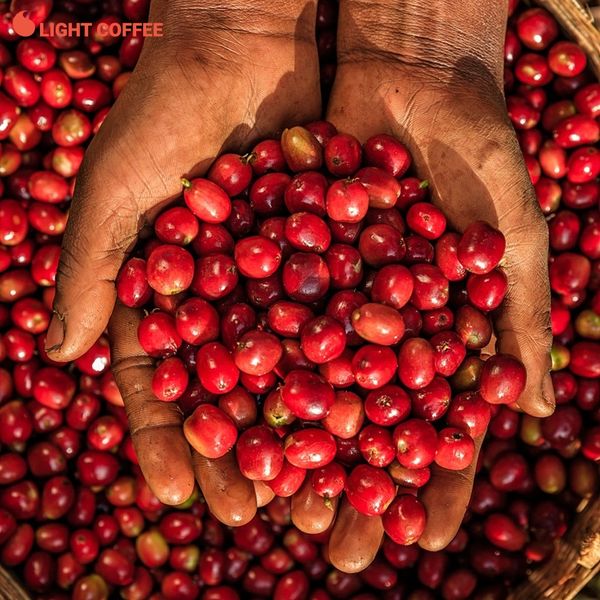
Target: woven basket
577,556
10,588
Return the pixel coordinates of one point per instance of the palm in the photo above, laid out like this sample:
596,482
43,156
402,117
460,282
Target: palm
463,144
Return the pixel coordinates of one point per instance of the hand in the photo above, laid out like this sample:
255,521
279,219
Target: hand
129,175
209,85
218,80
441,94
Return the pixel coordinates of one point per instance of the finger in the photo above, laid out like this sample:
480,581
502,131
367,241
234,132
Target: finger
156,427
264,494
229,495
355,539
446,498
523,321
310,512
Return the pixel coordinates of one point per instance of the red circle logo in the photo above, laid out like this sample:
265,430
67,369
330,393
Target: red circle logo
23,25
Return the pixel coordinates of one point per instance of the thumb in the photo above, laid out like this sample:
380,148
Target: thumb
523,323
102,226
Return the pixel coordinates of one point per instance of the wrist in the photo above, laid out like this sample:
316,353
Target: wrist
185,18
440,41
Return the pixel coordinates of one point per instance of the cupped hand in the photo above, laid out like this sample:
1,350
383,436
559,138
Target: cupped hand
217,80
453,119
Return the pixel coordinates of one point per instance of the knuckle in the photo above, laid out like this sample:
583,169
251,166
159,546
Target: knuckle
122,366
147,416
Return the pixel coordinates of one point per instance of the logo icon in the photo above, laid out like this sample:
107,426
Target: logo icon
22,24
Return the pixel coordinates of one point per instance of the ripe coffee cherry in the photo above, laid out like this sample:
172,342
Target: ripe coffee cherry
347,201
307,395
426,219
305,277
393,285
310,448
158,335
257,353
432,401
346,415
206,200
567,59
375,444
431,288
416,443
502,380
216,368
455,449
329,481
470,412
381,245
170,269
537,28
416,363
383,189
369,490
387,153
342,155
404,521
133,289
306,193
259,454
322,339
487,292
289,480
481,248
232,173
197,321
257,257
307,232
378,324
170,379
387,405
210,431
501,531
374,366
176,225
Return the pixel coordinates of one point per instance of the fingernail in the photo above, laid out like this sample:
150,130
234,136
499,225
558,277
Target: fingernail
548,391
56,334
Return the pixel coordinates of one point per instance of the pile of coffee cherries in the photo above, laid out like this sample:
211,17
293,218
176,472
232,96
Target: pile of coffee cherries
309,322
77,519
